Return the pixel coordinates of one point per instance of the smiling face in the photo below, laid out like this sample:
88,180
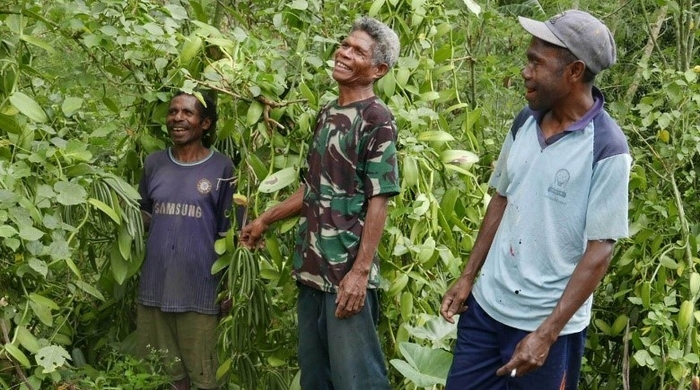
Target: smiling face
353,61
546,84
184,121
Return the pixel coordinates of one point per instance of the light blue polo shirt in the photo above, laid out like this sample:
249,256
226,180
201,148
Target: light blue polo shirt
561,193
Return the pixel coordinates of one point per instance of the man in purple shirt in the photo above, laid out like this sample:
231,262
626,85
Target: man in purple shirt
186,192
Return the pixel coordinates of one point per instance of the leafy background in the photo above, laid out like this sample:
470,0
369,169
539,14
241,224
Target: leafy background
83,95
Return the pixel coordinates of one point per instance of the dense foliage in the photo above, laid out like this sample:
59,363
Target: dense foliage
83,93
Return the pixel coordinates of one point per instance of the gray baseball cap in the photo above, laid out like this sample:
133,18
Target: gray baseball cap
580,32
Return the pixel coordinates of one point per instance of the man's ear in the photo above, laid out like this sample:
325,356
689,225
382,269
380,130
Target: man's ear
206,123
577,70
381,70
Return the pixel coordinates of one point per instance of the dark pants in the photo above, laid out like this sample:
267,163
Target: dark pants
337,354
484,345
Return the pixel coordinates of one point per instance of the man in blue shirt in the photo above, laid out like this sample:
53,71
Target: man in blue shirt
548,234
186,191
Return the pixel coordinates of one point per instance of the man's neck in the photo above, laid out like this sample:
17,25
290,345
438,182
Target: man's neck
189,153
349,95
561,117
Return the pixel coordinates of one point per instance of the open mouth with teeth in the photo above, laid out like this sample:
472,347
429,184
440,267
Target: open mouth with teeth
340,65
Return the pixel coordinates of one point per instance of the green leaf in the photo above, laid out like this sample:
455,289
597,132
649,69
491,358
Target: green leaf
73,267
120,267
17,354
668,262
425,367
375,8
124,240
52,357
39,266
301,5
153,29
221,263
77,150
27,339
278,180
461,157
254,112
429,96
42,312
38,43
105,209
176,11
224,368
30,233
71,105
8,124
90,289
307,94
435,330
435,135
42,300
220,246
259,168
121,186
69,193
28,107
7,231
473,6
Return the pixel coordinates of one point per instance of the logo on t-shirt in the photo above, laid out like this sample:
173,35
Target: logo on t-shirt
204,186
558,187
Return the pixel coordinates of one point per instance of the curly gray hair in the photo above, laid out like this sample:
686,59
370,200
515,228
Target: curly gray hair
386,47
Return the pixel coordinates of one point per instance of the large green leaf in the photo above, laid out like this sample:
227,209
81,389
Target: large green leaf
124,240
254,112
27,339
30,233
436,330
278,180
7,231
120,267
17,354
28,107
424,366
69,193
71,105
52,357
9,124
105,209
42,312
77,150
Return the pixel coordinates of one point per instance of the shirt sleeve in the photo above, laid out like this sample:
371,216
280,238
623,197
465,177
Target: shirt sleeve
606,217
499,178
381,169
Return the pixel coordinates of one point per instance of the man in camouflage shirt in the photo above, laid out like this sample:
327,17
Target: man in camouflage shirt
343,202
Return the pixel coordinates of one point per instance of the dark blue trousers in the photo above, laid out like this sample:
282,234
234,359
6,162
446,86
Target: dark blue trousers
484,345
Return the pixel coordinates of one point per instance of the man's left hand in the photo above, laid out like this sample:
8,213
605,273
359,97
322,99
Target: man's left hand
351,294
529,355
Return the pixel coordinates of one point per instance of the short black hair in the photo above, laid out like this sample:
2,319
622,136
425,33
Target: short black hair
566,57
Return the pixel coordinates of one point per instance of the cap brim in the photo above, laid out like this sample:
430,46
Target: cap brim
540,30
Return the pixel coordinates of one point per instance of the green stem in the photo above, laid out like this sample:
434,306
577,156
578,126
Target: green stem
685,229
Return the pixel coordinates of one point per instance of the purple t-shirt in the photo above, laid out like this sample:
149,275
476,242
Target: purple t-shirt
188,204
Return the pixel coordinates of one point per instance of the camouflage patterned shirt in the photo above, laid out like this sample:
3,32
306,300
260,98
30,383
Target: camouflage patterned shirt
352,158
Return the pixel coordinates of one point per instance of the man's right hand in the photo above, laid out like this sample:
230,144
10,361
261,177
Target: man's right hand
251,233
453,301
